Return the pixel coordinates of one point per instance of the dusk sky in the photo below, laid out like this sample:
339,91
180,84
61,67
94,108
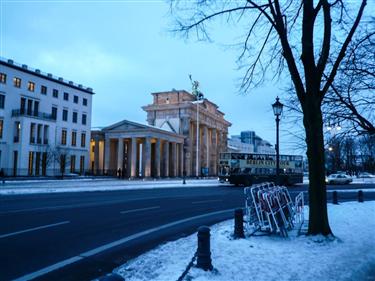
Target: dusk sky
124,51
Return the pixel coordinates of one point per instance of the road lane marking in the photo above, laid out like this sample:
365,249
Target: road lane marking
205,201
33,229
105,247
139,210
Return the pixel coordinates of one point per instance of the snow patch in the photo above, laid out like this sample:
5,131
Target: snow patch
348,256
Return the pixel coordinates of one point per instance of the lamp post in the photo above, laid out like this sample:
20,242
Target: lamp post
277,111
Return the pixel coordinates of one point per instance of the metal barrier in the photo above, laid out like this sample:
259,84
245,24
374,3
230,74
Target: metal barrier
270,208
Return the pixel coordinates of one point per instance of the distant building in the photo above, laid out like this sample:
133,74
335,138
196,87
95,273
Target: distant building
176,111
249,142
166,147
45,122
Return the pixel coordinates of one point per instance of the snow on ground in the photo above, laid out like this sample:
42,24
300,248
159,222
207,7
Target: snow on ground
349,257
79,185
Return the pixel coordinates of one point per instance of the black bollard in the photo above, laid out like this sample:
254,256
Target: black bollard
203,251
238,224
334,198
111,277
360,196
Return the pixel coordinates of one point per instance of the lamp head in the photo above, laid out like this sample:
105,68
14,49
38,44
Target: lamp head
277,107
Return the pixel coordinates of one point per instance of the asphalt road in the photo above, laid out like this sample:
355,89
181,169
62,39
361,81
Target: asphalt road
40,230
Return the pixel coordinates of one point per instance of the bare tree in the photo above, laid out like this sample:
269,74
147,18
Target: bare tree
297,35
351,99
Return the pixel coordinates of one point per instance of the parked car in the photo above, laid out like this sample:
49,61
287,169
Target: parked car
339,179
365,175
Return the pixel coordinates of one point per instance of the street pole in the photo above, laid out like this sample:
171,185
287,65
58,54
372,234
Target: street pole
197,148
277,151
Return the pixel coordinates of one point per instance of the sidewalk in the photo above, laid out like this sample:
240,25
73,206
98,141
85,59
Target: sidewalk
79,185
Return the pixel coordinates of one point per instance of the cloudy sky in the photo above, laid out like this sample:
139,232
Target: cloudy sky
124,51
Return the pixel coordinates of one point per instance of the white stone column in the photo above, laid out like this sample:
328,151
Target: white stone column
147,158
107,149
214,150
157,158
120,153
133,157
166,159
96,157
173,173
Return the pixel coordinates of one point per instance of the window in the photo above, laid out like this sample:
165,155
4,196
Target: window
82,164
83,139
2,101
74,138
17,82
29,107
84,119
75,116
31,162
23,105
66,96
75,99
55,93
63,137
36,108
31,86
72,163
3,78
32,133
65,115
54,112
1,128
43,90
84,102
17,131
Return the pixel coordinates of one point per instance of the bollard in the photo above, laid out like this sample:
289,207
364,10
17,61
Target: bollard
238,224
335,198
360,196
111,277
203,251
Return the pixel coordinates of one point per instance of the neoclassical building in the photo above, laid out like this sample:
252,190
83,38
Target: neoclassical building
167,146
130,150
202,124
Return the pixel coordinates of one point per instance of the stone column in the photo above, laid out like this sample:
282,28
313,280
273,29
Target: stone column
174,160
96,157
185,130
133,157
157,158
181,159
214,152
107,150
166,158
120,153
147,158
205,148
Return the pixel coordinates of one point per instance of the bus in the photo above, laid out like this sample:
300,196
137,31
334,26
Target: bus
251,168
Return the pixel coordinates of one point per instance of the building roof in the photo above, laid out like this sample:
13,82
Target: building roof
48,76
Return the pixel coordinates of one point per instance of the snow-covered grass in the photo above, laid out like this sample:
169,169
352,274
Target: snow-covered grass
350,256
29,187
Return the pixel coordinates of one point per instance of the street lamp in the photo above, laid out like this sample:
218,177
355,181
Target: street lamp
277,111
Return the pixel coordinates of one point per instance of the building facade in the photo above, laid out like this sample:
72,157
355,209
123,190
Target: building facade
129,149
250,142
45,122
202,125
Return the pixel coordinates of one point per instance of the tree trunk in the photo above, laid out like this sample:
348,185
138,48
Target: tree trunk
313,122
